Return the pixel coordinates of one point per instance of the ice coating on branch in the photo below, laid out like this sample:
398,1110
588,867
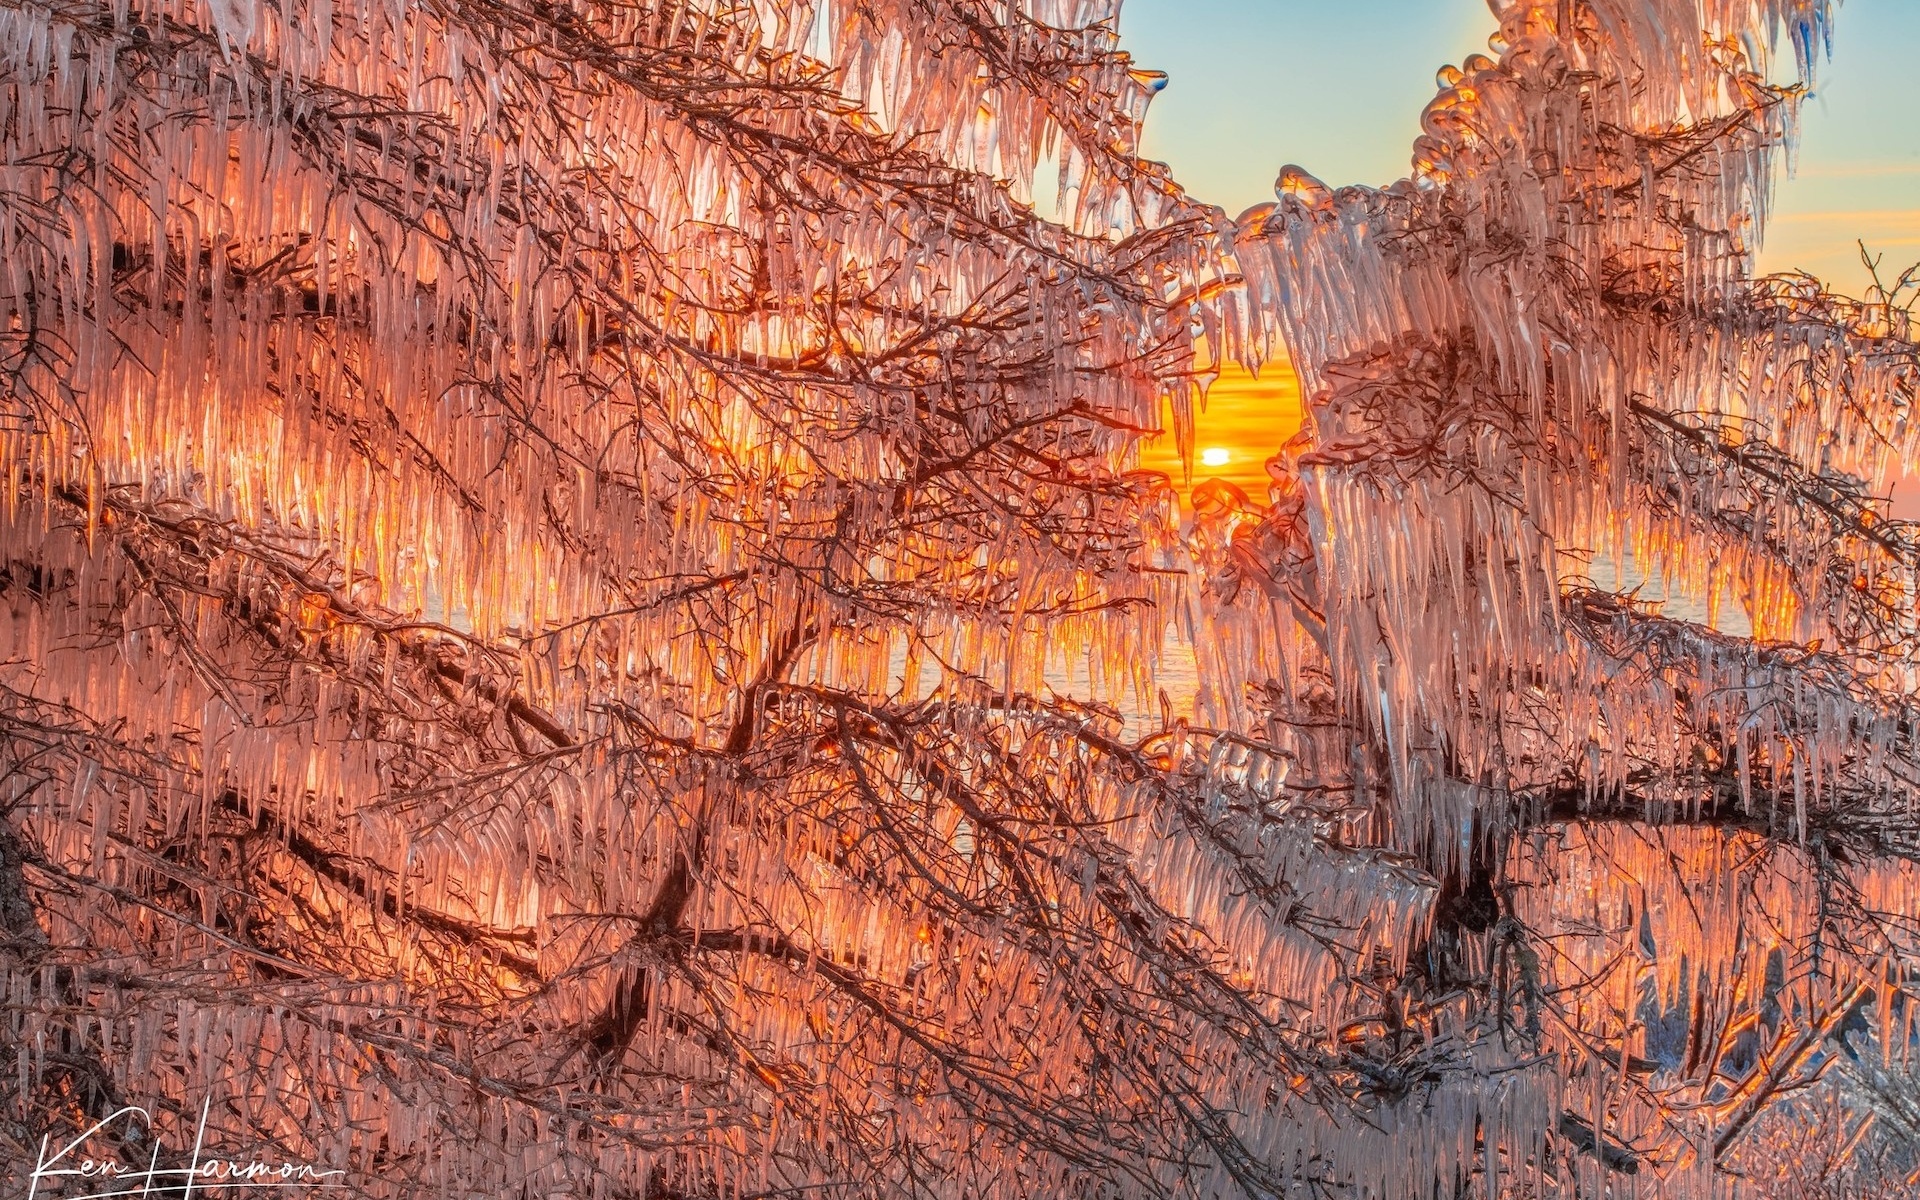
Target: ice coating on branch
1295,185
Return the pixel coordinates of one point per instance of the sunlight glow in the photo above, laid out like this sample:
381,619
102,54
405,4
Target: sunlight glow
1214,456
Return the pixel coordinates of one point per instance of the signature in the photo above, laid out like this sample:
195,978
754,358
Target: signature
201,1174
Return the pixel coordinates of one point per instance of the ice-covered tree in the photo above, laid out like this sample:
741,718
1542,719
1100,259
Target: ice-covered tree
528,534
1674,841
540,541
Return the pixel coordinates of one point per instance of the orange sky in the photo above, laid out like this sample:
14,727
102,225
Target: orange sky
1248,418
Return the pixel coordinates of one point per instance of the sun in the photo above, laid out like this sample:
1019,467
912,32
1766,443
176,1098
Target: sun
1214,456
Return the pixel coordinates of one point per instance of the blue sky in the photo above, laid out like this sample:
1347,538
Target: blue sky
1338,87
